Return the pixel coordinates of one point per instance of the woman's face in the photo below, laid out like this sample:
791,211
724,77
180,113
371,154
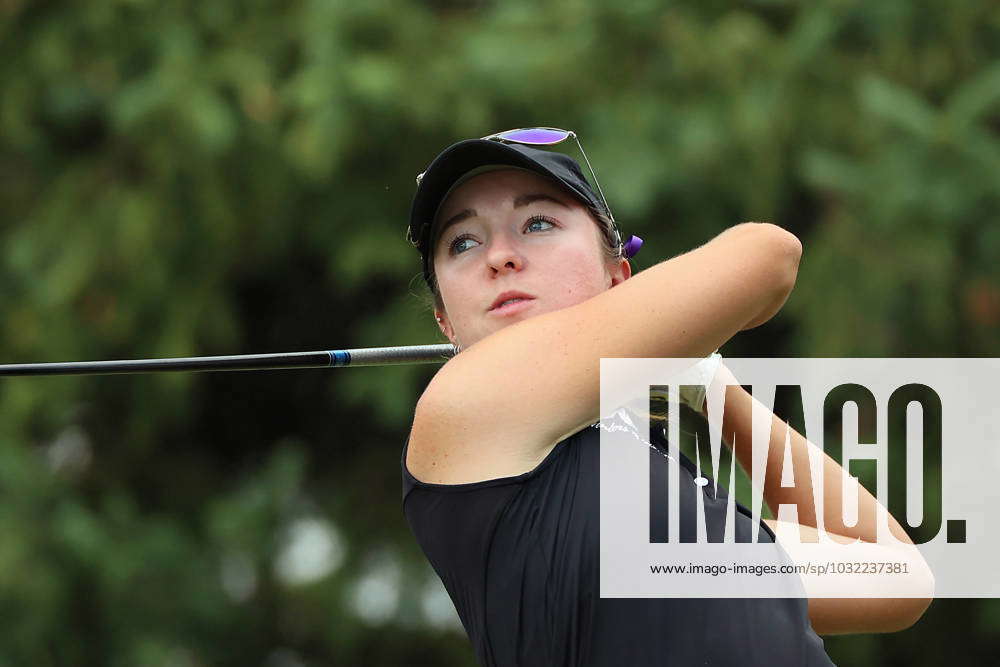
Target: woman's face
515,231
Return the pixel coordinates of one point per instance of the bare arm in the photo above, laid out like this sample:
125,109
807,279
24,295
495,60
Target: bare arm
501,404
829,615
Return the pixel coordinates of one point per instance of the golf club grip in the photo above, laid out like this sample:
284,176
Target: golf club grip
404,354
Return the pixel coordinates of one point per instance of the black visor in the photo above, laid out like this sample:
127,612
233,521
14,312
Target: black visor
459,159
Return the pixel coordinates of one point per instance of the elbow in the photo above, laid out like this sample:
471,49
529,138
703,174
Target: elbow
920,605
922,585
784,251
903,613
780,252
909,611
850,616
916,607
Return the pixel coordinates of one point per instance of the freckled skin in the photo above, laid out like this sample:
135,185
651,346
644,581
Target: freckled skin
560,264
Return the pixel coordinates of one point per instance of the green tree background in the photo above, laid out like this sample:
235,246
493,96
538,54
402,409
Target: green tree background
184,178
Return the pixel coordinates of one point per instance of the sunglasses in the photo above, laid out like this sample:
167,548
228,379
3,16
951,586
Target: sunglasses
550,136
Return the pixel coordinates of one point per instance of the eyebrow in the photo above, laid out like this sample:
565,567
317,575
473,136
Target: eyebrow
519,201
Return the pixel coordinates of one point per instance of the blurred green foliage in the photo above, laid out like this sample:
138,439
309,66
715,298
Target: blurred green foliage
193,178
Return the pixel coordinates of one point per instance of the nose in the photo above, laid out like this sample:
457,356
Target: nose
504,255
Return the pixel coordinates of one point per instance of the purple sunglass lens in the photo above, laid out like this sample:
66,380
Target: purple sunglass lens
535,135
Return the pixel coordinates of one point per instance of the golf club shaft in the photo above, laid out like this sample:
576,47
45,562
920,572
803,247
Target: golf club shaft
371,356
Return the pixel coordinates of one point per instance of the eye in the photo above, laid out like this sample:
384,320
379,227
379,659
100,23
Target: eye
536,219
455,246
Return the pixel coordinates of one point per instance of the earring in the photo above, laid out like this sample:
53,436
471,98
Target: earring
439,320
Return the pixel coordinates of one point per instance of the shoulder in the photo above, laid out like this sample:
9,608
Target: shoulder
449,445
499,407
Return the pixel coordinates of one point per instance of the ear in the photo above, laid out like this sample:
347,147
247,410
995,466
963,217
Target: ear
621,272
444,325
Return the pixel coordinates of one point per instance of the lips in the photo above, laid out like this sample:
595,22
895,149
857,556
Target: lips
507,296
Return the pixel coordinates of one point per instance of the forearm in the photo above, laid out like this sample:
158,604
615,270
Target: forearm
737,431
885,603
880,603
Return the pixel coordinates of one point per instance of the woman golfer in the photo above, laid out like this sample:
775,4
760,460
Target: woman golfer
532,282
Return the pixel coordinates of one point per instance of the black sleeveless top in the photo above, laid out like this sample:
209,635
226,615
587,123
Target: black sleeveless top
519,558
